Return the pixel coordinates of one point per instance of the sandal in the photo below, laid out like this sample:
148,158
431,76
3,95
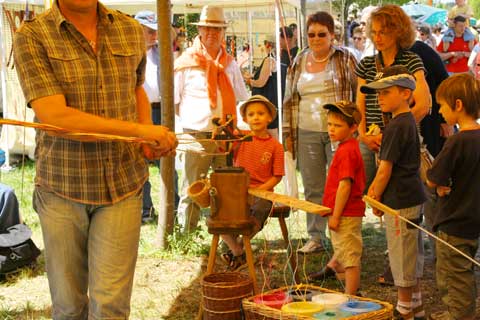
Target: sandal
227,257
238,262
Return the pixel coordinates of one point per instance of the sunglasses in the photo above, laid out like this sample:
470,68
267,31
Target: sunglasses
422,34
318,34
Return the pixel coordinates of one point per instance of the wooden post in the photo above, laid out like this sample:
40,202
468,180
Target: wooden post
167,164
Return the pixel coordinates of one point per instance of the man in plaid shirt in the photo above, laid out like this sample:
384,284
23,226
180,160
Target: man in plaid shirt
81,67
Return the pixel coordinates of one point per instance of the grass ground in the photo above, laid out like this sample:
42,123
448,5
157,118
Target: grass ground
167,283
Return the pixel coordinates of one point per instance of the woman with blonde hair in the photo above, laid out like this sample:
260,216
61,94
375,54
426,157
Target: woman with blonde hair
393,33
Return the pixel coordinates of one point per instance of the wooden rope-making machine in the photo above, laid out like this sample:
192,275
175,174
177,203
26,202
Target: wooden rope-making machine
226,192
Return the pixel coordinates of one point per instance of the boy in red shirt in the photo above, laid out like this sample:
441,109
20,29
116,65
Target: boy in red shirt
343,194
263,159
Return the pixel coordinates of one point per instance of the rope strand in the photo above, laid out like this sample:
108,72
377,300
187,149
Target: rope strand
380,206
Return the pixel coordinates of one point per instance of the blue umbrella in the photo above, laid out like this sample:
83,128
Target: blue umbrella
419,10
440,17
434,18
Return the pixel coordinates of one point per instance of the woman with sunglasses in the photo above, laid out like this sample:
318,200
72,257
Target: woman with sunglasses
392,33
320,74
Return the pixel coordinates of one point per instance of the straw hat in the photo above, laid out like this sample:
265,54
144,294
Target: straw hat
259,98
211,16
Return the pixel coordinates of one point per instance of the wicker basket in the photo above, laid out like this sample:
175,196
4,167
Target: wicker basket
223,294
253,311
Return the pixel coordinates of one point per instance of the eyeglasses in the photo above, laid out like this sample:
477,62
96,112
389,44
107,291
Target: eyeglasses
318,34
357,38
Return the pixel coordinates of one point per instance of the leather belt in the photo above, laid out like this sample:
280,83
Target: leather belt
155,105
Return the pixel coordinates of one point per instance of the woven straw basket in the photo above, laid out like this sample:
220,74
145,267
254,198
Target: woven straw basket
199,192
223,294
255,311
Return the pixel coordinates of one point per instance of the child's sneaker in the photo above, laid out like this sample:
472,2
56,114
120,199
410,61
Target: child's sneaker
238,262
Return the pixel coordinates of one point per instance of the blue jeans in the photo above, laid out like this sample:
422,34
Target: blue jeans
314,155
91,251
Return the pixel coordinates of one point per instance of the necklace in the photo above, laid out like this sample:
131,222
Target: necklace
319,60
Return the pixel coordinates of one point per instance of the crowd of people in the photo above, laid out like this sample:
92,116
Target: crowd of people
354,117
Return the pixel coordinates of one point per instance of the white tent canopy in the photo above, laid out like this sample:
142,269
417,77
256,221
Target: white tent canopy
199,4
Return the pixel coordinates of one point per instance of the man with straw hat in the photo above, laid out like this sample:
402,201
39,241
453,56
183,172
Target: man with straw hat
208,84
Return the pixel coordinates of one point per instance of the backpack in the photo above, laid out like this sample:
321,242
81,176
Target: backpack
16,248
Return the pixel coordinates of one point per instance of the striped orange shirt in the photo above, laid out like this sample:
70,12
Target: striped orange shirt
262,158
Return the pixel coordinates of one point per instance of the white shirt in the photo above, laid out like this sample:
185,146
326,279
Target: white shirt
472,60
369,49
151,76
191,94
316,89
357,53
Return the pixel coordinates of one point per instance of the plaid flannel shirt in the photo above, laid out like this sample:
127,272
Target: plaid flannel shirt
344,64
53,58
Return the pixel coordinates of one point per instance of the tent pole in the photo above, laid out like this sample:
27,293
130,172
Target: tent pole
279,69
250,42
3,77
167,164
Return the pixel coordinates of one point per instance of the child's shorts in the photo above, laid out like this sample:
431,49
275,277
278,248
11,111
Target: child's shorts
260,210
347,241
405,247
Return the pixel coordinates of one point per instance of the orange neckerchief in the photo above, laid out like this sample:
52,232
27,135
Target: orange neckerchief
215,73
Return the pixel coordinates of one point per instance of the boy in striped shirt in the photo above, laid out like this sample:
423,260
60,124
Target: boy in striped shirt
263,159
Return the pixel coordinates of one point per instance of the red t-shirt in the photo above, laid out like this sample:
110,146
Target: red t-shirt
347,163
262,158
458,44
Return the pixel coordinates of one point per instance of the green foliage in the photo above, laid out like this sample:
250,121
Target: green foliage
344,5
475,4
195,243
191,30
